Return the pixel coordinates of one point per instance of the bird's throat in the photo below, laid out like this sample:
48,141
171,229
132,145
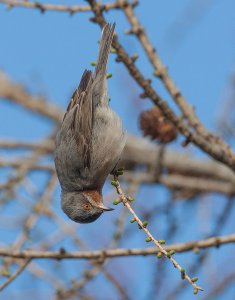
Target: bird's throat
94,195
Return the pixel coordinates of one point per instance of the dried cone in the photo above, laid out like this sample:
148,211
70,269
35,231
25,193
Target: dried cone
156,126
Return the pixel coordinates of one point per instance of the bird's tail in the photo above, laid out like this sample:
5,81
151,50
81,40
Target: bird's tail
105,44
100,86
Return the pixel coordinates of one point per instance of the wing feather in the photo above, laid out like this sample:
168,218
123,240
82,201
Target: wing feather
82,118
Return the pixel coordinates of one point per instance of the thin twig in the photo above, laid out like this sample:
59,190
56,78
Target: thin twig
57,7
16,274
18,94
126,203
222,154
99,254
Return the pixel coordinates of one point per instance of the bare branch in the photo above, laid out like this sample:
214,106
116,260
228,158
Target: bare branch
192,183
112,253
17,94
45,146
125,200
222,154
139,151
16,274
57,7
160,70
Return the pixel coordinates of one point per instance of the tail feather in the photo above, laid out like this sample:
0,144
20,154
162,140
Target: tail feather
105,45
100,85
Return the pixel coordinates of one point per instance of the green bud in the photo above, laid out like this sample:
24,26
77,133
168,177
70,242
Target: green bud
182,273
145,224
159,255
113,51
119,172
131,199
116,202
109,75
93,63
148,239
172,252
194,279
195,291
162,242
114,183
132,220
5,273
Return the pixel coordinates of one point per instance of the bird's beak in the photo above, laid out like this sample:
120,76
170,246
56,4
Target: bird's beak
105,208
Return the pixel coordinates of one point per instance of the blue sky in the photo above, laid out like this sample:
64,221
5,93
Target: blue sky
49,52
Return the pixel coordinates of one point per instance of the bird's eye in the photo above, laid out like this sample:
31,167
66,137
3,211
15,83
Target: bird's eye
87,206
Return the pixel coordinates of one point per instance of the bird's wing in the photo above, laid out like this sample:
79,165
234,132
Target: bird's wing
100,81
82,118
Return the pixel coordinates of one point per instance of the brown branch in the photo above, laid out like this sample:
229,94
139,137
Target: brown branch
16,274
112,253
138,151
57,7
125,200
120,289
98,267
17,94
45,146
28,165
183,171
160,69
220,286
176,181
215,150
38,208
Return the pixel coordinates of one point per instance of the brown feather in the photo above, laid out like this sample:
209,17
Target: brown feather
81,125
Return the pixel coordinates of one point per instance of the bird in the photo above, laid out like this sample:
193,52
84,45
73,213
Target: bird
90,141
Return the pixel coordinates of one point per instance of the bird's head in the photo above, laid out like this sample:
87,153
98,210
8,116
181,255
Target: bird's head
83,207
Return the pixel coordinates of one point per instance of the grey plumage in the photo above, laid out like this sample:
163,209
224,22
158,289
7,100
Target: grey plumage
89,143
